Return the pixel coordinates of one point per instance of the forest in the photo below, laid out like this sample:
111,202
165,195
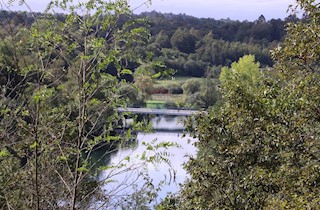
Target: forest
181,46
193,46
63,76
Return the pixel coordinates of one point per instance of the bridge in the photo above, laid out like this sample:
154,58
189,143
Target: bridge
172,112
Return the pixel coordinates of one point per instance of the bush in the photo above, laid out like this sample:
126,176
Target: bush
176,90
170,104
160,90
191,86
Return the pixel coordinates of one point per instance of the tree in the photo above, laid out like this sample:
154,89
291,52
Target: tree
163,40
194,68
191,86
183,40
209,95
200,93
277,32
262,149
261,19
58,104
132,94
301,53
243,72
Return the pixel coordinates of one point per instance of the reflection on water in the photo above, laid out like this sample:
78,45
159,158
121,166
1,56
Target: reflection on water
127,167
169,123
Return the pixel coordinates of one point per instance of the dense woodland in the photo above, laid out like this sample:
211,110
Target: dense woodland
63,76
195,47
178,45
192,46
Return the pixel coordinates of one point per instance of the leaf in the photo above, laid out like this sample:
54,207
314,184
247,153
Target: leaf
156,76
113,138
143,156
97,139
32,146
4,153
62,158
127,158
82,169
105,168
150,147
126,71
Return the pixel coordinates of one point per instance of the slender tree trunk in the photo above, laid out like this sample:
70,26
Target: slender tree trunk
36,131
36,159
81,123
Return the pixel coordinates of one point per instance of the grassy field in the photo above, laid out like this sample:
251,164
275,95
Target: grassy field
166,83
175,98
155,104
169,83
162,100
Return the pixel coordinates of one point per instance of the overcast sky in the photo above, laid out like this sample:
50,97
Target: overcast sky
233,9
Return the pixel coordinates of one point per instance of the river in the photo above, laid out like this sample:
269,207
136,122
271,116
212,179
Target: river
130,172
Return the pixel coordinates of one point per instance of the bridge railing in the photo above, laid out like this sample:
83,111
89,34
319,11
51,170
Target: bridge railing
173,112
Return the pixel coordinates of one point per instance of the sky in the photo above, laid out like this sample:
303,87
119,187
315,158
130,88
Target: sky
222,9
217,9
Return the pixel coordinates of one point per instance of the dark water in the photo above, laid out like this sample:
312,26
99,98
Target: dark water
129,169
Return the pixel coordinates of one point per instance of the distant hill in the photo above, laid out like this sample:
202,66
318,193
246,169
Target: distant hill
192,46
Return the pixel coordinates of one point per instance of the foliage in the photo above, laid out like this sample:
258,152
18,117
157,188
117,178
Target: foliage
144,83
58,99
189,45
244,72
175,89
191,86
200,93
262,149
183,41
301,53
162,39
133,96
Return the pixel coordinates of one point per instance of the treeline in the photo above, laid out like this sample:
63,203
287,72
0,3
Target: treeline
195,47
192,46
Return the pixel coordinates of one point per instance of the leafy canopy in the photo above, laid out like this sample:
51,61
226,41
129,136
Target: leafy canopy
262,149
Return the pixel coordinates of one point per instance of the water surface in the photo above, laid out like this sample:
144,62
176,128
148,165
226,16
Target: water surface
169,172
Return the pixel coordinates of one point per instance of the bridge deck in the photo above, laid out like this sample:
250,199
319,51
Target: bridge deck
173,112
